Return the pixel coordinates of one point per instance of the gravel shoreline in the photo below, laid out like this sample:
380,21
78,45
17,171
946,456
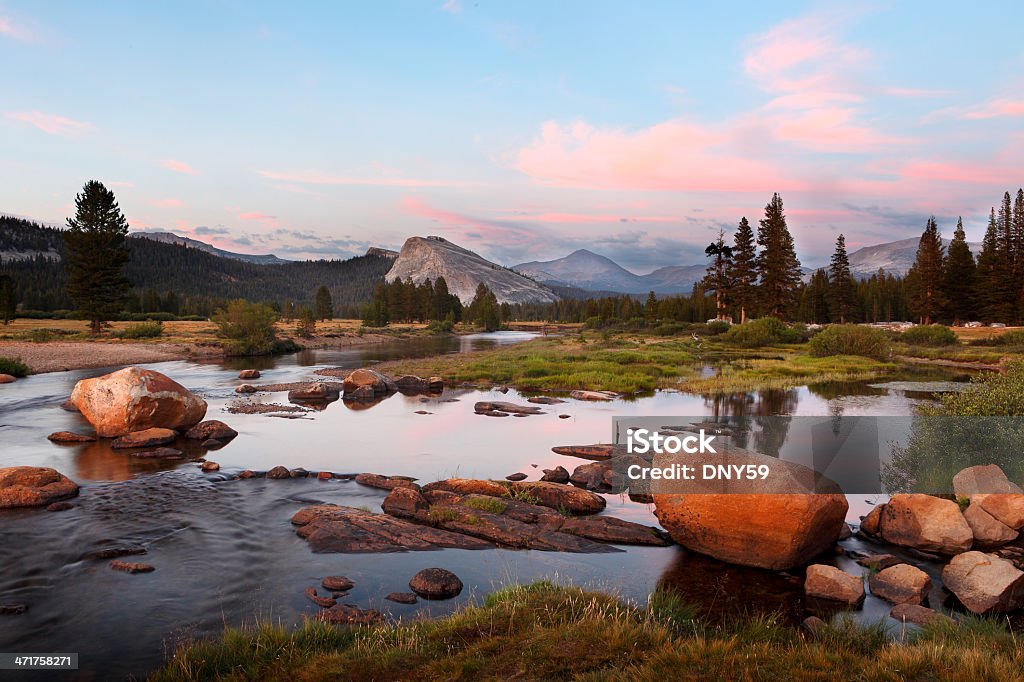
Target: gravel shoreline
63,356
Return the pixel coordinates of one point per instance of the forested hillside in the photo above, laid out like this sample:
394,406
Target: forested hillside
181,280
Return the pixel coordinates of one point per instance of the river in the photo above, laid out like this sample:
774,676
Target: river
224,549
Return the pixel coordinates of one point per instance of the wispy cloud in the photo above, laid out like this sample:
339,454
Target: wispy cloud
9,28
996,108
178,167
51,124
168,203
453,6
257,217
322,178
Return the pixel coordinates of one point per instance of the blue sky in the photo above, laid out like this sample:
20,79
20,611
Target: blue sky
522,130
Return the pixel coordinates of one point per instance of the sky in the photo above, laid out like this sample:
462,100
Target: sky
520,129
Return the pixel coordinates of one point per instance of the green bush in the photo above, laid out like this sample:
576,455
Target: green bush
669,329
929,335
594,322
1014,338
716,327
142,330
441,326
763,331
248,328
851,339
13,366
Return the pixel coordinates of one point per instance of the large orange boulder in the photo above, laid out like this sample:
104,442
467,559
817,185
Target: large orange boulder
768,524
380,384
33,486
134,399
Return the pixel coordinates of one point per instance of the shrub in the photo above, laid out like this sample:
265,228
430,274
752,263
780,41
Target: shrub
716,327
13,366
668,329
1014,338
929,335
594,322
851,339
248,328
142,330
763,331
441,326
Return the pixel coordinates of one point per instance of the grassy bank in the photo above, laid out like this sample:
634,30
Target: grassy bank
542,632
627,363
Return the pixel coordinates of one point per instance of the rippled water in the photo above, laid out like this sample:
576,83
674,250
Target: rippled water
225,552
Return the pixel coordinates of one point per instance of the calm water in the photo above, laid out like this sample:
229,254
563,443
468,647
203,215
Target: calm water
225,552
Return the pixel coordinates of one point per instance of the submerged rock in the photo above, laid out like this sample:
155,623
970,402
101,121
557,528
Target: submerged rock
322,602
346,614
330,528
402,597
145,438
485,406
919,615
337,583
211,429
33,487
210,466
436,583
131,567
134,399
159,453
925,523
70,437
984,583
828,582
249,374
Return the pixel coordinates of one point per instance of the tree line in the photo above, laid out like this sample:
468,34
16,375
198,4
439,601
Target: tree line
430,301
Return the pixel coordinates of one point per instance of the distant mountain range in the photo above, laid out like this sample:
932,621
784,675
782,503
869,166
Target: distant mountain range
171,238
894,257
423,258
588,270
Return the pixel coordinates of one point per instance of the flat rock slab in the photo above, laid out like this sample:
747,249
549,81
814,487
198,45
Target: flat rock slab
70,437
385,482
33,487
508,408
596,452
402,597
131,567
544,400
337,583
159,453
330,528
146,438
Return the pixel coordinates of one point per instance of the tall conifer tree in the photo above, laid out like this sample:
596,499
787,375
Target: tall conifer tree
960,274
926,275
777,265
743,269
841,292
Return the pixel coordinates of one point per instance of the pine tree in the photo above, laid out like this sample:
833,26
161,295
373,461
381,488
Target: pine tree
651,308
8,303
927,276
305,325
743,269
777,265
324,304
96,253
483,310
986,277
717,278
960,273
841,291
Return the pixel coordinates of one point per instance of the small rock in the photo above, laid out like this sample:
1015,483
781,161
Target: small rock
350,615
556,475
12,609
385,482
324,476
248,473
845,533
519,476
878,562
7,379
593,395
918,615
402,597
870,523
828,582
337,583
33,487
211,429
249,374
279,472
70,437
901,584
245,388
130,567
60,506
812,626
544,400
210,466
421,412
436,583
564,416
322,602
298,472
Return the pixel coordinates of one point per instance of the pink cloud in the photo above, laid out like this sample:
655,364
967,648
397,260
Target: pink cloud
178,167
321,178
255,216
168,203
916,92
16,31
585,218
51,124
997,108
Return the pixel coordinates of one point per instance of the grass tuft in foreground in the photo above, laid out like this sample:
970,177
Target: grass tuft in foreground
543,631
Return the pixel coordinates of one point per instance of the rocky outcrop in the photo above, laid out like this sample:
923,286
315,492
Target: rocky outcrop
984,583
330,528
925,523
828,582
33,487
134,399
211,429
436,583
146,438
901,584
